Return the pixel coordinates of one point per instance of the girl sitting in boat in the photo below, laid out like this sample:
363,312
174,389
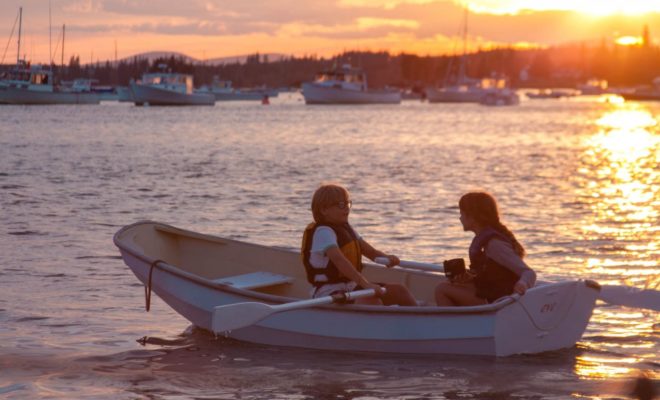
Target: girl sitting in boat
332,252
496,265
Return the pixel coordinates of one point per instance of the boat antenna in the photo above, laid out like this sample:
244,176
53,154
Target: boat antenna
11,35
20,23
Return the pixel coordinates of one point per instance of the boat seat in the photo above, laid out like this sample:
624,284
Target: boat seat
254,280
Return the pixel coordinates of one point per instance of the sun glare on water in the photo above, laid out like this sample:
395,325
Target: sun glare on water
620,178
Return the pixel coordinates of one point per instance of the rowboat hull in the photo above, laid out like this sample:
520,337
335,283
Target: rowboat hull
548,317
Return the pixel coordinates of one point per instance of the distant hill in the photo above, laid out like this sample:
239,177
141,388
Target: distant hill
153,55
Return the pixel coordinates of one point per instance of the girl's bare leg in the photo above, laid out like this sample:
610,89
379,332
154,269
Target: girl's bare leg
450,294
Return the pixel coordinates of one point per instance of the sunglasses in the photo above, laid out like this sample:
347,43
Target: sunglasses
342,205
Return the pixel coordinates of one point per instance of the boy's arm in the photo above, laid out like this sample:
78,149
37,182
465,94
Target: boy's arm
346,268
371,253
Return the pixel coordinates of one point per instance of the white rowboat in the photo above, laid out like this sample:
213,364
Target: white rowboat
196,274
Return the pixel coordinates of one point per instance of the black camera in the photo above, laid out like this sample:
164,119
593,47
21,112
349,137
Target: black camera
454,268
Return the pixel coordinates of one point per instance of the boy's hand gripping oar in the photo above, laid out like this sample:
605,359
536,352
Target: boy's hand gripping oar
612,294
240,315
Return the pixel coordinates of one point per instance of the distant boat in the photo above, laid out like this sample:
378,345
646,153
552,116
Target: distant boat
645,94
346,85
33,84
500,97
550,94
223,91
168,89
124,94
593,87
86,85
462,89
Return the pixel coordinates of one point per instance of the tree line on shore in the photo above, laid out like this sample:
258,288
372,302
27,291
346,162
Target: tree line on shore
561,66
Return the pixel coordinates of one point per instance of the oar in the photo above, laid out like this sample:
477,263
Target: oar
626,296
240,315
412,264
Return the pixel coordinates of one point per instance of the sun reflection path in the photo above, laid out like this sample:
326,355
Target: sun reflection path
619,184
620,179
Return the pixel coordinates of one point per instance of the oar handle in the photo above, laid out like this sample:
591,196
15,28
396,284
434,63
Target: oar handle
335,298
412,264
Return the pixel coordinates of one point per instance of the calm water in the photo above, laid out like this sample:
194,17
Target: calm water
578,181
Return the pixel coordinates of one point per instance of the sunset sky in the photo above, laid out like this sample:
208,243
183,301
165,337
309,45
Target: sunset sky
207,29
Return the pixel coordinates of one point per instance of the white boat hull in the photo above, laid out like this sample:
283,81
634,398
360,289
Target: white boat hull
12,95
449,95
145,94
548,317
319,94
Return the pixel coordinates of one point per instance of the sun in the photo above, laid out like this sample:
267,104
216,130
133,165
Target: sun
630,41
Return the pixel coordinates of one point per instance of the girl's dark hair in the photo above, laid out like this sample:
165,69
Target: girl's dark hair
483,208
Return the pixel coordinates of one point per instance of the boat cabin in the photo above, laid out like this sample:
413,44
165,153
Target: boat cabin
346,77
175,82
26,76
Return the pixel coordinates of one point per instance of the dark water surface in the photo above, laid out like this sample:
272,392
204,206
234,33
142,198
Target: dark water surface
578,181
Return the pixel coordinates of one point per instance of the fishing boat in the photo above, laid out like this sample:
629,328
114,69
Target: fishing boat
223,91
205,277
168,89
33,84
346,85
500,96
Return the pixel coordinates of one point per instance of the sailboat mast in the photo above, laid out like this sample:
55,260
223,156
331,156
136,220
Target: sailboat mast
461,72
50,36
20,23
63,30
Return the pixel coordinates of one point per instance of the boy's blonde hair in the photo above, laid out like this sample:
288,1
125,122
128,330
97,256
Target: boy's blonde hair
326,196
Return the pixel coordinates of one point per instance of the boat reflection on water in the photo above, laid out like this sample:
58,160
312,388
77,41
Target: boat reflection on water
619,182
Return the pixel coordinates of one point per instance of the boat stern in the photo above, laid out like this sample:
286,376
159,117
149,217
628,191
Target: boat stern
548,317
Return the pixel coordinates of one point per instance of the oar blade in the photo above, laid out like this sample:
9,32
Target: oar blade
630,297
235,316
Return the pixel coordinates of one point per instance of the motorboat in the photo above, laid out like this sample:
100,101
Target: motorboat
647,93
168,89
551,94
33,84
346,85
223,91
593,86
200,275
86,85
500,97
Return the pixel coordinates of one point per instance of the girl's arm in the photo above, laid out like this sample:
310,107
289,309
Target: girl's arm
504,255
